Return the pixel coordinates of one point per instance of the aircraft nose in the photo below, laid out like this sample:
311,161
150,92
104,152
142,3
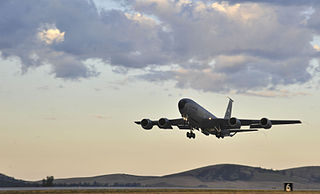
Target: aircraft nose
181,104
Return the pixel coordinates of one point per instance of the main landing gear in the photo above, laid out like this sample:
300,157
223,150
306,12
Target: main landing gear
191,135
219,136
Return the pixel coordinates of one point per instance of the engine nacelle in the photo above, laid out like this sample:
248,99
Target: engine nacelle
146,124
265,123
164,123
234,122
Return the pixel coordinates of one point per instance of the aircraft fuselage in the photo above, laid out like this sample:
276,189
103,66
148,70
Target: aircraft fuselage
197,116
193,112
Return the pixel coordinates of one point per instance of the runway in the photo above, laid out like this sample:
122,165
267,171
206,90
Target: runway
141,191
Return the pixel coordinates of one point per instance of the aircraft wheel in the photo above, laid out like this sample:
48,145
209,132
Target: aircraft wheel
191,135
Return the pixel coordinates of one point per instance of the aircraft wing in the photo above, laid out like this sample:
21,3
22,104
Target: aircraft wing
253,123
257,124
246,122
242,130
180,123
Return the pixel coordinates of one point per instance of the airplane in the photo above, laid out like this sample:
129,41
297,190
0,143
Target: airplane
195,117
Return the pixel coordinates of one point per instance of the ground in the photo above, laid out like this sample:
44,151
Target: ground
154,191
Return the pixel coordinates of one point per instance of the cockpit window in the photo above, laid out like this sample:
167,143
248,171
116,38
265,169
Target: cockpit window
182,103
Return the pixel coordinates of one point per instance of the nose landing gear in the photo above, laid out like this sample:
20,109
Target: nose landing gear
191,135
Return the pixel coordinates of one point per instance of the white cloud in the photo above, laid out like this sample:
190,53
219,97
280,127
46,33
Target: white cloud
50,34
226,8
138,17
184,3
316,47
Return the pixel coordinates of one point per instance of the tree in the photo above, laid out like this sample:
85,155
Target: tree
48,182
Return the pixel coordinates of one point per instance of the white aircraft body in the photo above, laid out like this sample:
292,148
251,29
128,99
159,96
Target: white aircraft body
196,117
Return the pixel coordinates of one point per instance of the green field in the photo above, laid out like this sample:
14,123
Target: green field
154,191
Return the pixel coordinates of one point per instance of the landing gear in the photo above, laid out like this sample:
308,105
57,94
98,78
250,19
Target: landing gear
191,135
220,136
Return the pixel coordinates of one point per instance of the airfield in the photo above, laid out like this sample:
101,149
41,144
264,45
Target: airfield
152,191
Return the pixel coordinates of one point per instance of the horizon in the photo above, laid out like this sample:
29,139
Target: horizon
123,173
75,75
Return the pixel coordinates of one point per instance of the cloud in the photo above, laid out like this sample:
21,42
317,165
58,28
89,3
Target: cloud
35,32
276,2
214,46
50,34
316,47
225,7
253,46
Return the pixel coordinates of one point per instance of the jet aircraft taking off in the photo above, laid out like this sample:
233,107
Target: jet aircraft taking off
196,117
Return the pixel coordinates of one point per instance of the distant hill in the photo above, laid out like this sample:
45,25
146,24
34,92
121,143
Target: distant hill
216,176
6,181
231,172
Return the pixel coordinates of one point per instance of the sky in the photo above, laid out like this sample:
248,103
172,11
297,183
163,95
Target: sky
74,75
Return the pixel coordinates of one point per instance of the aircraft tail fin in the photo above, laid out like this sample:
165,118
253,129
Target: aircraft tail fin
229,109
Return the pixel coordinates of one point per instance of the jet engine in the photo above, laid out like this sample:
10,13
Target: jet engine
234,122
146,124
265,123
164,123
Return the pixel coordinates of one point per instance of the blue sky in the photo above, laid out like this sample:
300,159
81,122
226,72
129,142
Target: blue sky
75,75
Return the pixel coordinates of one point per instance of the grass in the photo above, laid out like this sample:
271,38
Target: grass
154,191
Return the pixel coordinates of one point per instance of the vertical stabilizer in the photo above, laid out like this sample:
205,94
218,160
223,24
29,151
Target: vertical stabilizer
229,109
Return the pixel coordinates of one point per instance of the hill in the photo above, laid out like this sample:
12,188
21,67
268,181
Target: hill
229,176
216,176
6,181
